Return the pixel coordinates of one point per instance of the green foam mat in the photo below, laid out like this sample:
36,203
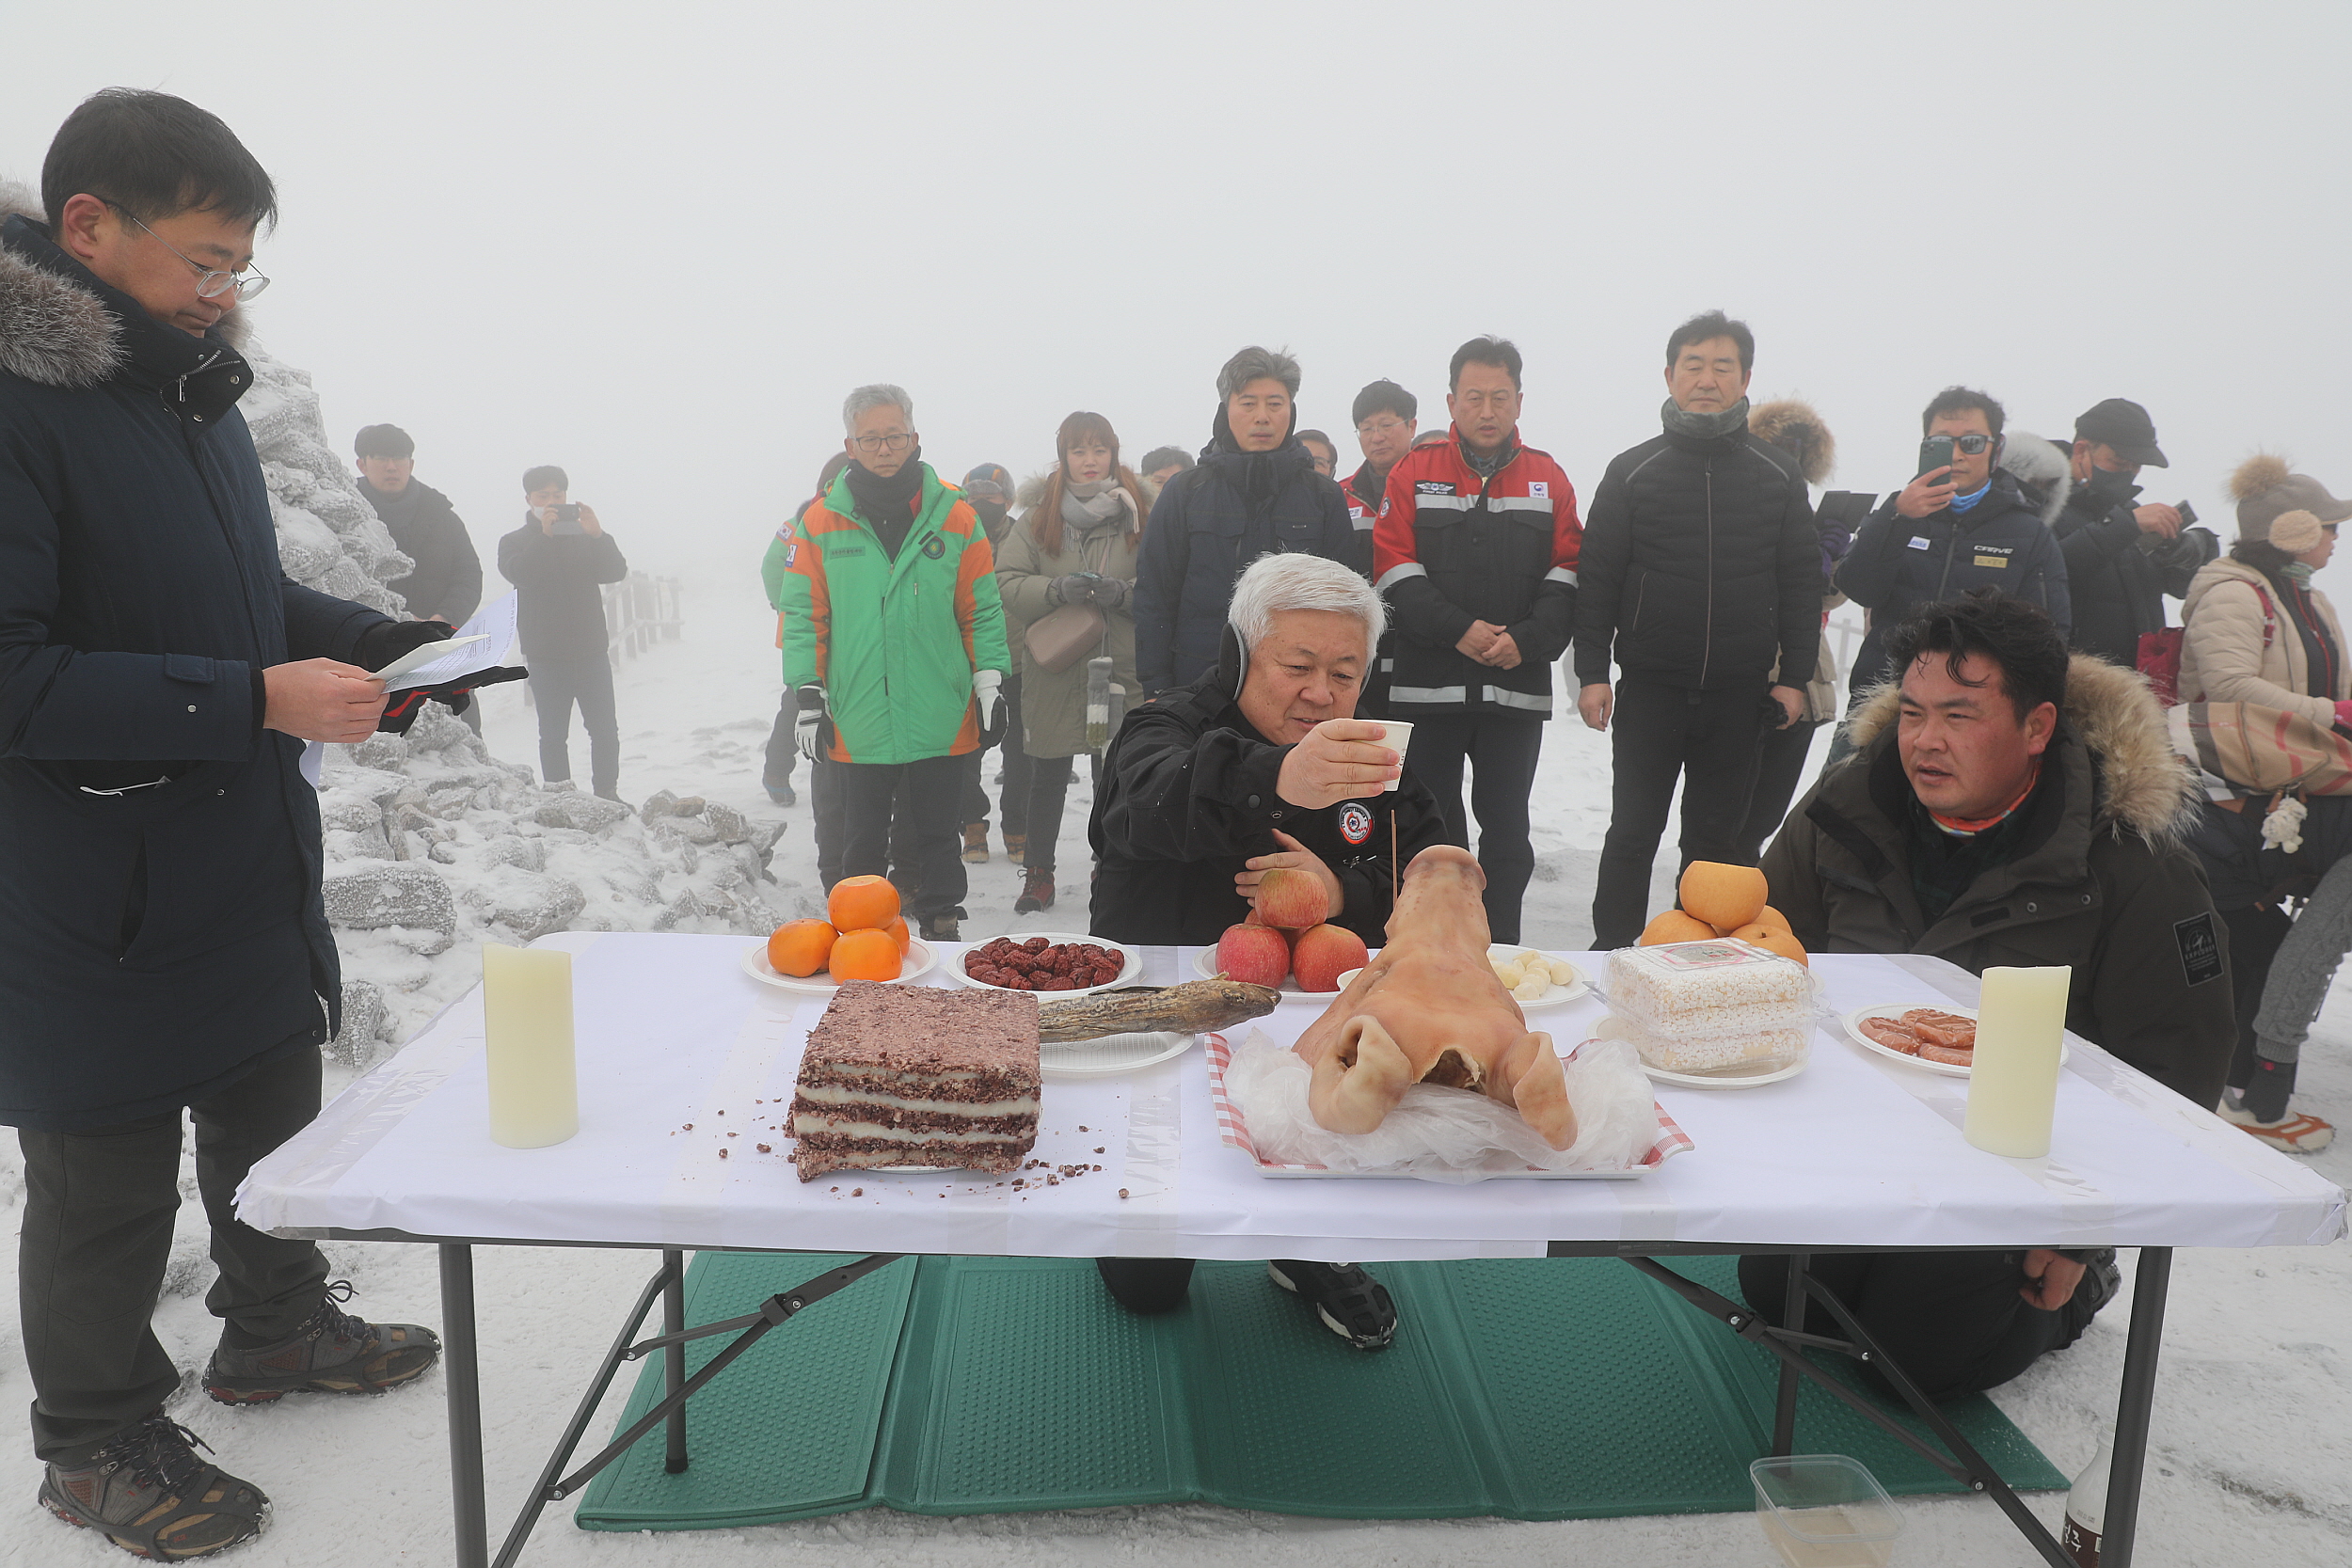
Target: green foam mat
1538,1389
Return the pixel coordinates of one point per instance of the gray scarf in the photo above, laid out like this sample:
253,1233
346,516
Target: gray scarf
1087,507
1705,427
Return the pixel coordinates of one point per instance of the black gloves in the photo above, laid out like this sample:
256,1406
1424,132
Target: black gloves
401,709
386,640
1088,588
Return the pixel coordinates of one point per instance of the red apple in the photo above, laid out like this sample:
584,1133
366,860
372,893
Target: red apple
1292,898
1323,953
1255,954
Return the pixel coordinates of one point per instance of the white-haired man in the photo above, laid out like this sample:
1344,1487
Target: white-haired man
1260,764
894,635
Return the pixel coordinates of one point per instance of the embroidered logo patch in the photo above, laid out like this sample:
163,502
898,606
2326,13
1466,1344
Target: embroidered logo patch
791,551
1433,487
934,548
1354,823
1992,560
1356,512
2200,954
1919,543
1539,489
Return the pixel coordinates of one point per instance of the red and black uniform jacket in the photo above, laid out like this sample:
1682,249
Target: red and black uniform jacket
1452,548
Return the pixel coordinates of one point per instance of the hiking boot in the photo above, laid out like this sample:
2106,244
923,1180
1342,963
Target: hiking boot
332,1353
976,843
1016,846
146,1491
1037,891
613,793
779,790
1350,1302
2296,1133
940,928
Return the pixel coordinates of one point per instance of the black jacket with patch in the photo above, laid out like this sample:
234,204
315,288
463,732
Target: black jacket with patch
1186,797
2117,575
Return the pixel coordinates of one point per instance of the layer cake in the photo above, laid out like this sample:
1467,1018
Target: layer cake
917,1075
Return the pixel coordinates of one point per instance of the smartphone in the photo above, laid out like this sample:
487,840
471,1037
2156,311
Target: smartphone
2188,513
567,519
1935,452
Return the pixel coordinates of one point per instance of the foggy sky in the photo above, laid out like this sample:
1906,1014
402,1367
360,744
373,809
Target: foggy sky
658,244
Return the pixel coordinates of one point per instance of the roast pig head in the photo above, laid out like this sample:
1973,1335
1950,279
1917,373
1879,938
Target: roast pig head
1429,1009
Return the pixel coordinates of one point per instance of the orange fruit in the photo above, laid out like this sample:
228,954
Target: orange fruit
1772,920
801,946
1727,896
898,933
861,903
1773,940
1674,926
866,955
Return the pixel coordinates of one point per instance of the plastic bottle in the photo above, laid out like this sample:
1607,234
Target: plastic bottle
2087,1506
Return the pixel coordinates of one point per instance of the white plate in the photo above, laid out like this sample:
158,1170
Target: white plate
1558,995
1895,1009
1130,971
1111,1054
919,958
1740,1077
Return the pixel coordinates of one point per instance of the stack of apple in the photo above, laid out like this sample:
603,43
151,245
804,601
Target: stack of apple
1286,934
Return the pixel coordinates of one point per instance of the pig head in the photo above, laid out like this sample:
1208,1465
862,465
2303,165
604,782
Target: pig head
1428,1009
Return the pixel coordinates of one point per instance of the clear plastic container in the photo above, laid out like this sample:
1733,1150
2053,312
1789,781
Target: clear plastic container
1714,1005
1825,1510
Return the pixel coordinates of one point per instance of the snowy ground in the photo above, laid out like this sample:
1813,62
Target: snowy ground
2252,1455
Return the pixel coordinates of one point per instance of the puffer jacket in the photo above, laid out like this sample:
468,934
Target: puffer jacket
1900,563
1211,521
157,941
1700,566
1054,702
2237,649
2117,575
2101,881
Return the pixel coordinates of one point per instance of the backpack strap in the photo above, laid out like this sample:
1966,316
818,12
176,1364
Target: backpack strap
2270,619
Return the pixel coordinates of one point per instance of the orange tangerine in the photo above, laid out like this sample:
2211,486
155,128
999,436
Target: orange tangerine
801,948
1674,926
898,933
864,956
861,903
1725,897
1773,940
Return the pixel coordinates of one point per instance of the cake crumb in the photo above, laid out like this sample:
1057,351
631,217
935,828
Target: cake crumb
857,1192
765,1149
723,1152
1098,1150
1123,1192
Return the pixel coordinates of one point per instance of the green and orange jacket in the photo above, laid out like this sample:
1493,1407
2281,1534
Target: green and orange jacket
894,642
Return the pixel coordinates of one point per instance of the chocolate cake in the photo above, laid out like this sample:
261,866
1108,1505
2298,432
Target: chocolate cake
916,1075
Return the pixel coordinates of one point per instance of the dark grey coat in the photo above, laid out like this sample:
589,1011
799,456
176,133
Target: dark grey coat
157,944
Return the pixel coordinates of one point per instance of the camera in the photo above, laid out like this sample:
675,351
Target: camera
566,519
2188,513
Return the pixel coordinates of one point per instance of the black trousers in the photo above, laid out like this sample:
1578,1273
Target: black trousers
1013,788
1952,1321
98,1209
556,685
1049,787
2255,934
1501,750
1658,731
929,817
1779,768
1150,1285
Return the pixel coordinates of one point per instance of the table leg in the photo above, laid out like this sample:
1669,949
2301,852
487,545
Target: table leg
674,1357
1791,1318
2130,1455
461,1370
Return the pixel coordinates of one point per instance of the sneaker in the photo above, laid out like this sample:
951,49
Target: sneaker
332,1353
1350,1302
148,1494
1037,891
2295,1132
613,794
1016,846
779,790
976,843
940,928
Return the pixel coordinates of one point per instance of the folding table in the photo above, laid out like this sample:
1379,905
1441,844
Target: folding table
686,1063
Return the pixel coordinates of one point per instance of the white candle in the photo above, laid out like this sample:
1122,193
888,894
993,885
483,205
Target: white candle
2013,1086
527,1022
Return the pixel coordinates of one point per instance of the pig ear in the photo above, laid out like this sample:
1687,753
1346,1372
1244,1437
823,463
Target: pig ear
1540,1088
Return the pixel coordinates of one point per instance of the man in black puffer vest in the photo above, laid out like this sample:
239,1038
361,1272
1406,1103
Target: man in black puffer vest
1255,492
1701,567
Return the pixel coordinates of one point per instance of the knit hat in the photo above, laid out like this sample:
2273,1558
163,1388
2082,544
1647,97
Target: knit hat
989,482
2270,496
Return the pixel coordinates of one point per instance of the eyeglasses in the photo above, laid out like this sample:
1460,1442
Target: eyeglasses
211,282
1381,427
871,444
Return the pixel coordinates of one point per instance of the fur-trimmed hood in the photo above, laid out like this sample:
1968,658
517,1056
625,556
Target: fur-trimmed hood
2144,786
2042,467
53,331
1791,424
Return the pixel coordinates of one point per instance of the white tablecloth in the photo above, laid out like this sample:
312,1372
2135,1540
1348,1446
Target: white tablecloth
1854,1151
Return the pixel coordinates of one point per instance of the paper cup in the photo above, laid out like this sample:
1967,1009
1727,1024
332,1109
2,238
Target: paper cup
1399,737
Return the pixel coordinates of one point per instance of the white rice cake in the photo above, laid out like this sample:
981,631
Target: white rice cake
1766,1047
1689,991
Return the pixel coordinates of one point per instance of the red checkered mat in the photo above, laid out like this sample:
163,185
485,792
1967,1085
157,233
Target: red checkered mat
1672,1139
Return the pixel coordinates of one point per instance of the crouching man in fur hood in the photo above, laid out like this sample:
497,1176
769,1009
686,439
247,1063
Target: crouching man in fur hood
2008,805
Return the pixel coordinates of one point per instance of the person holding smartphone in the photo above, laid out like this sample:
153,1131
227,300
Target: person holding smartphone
559,561
1963,523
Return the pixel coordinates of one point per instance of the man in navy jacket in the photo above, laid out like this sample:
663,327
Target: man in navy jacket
163,942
